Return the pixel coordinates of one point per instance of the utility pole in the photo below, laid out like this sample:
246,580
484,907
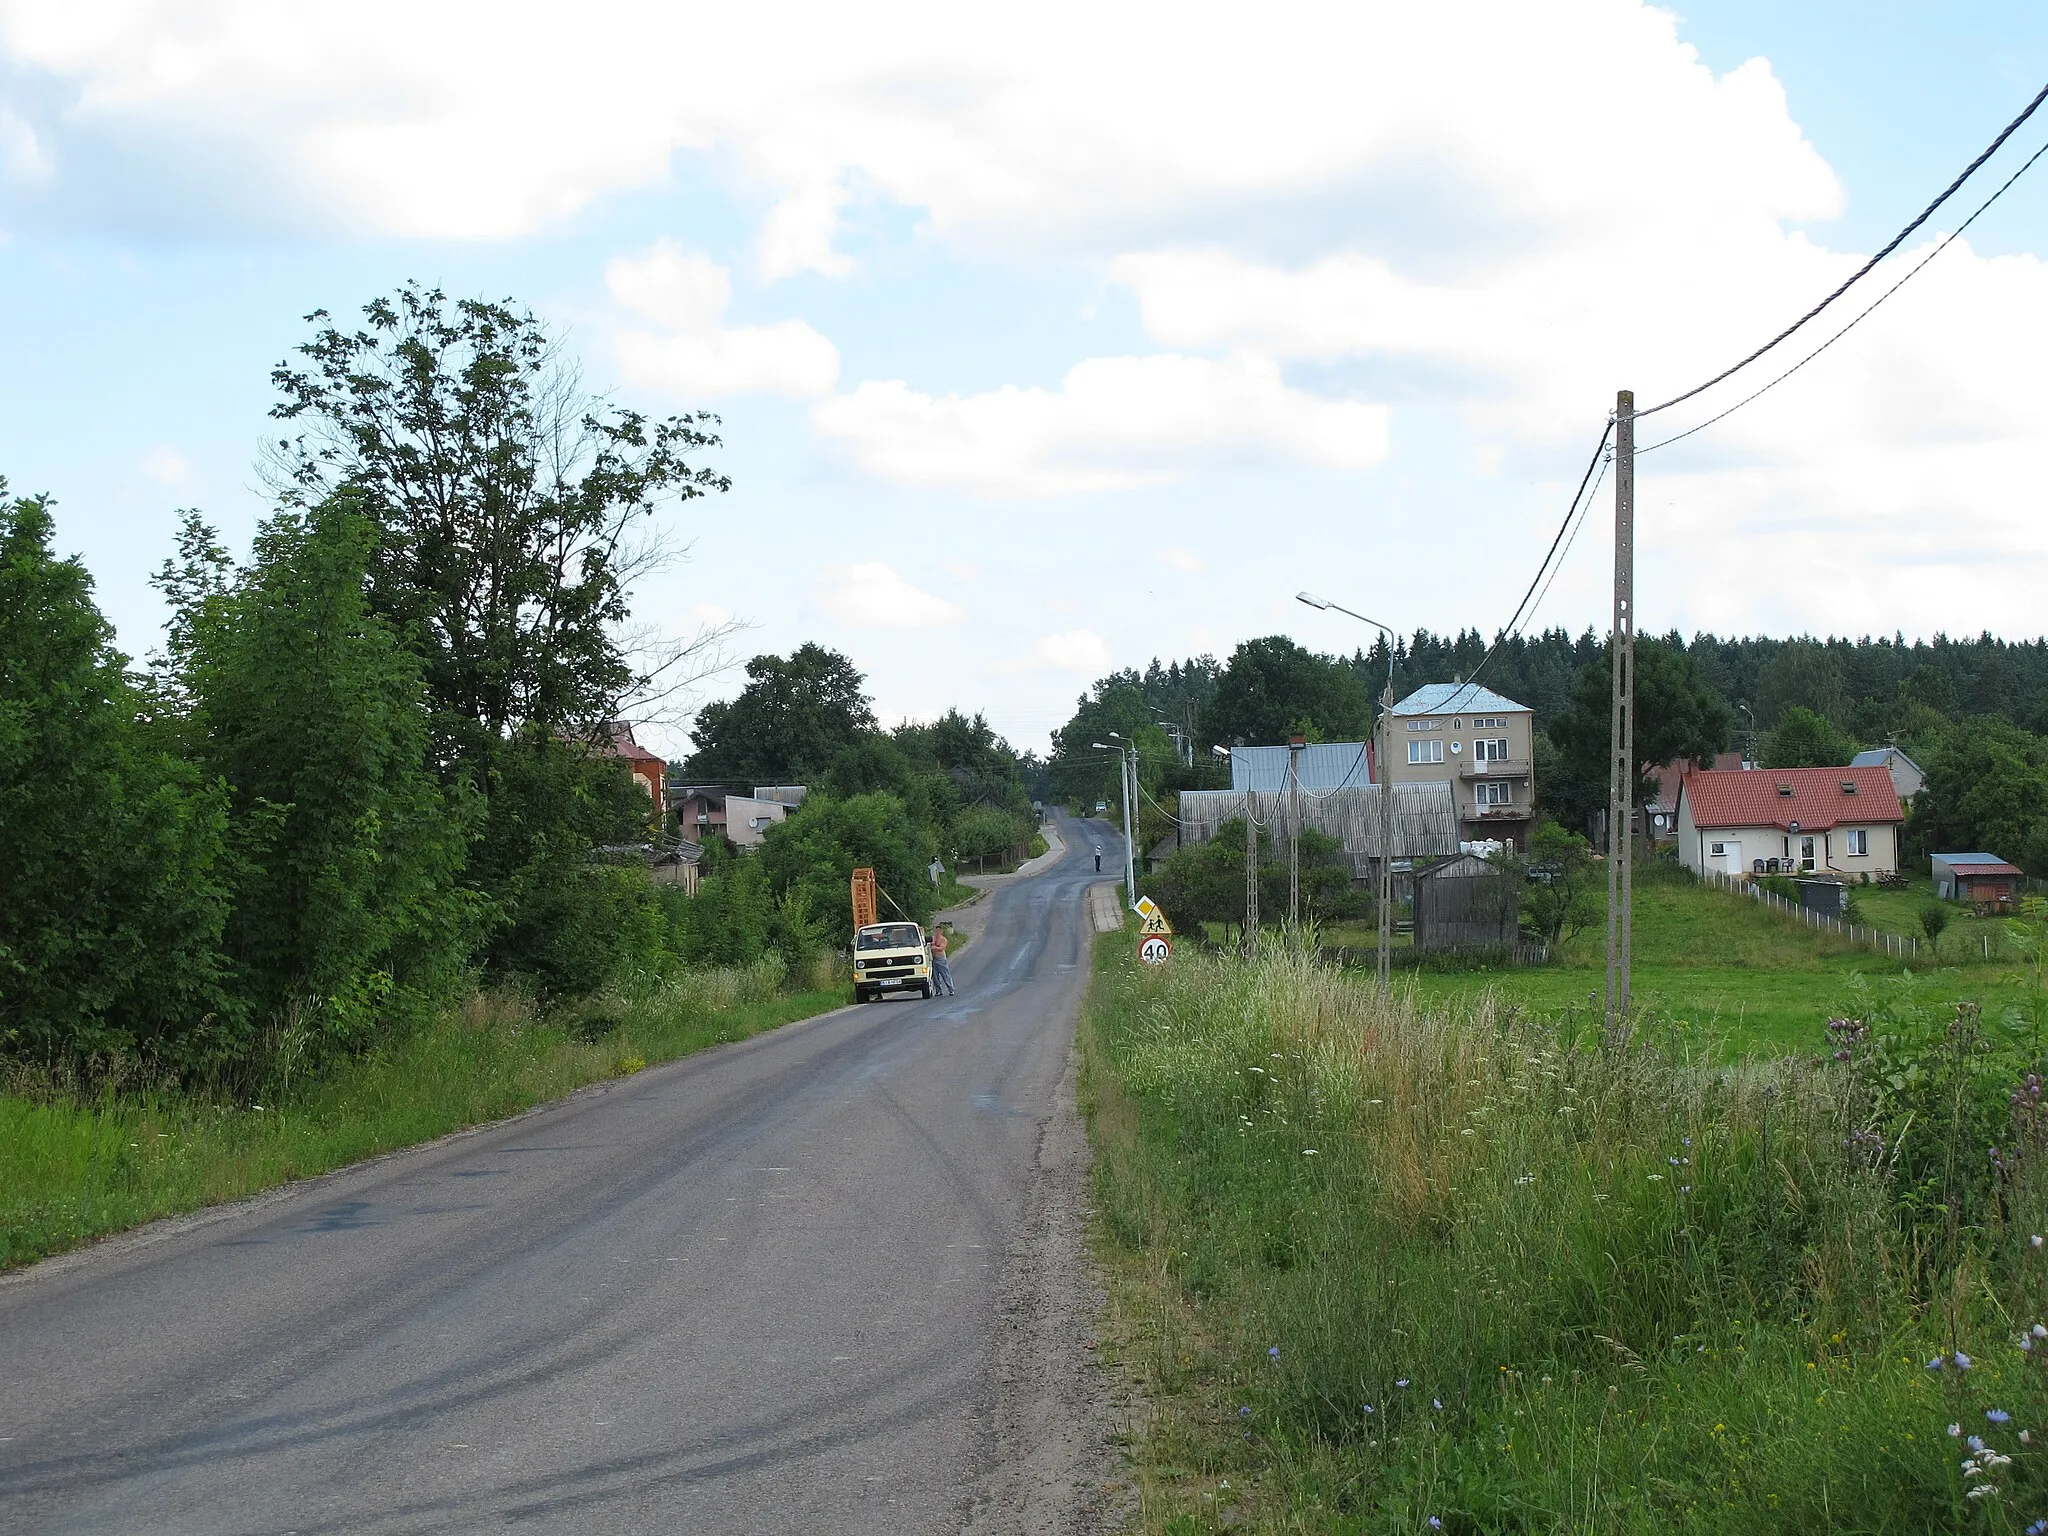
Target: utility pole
1622,723
1383,970
1130,761
1251,878
1294,746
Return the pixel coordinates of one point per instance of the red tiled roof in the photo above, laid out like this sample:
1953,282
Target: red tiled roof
1752,798
618,742
1668,776
1972,871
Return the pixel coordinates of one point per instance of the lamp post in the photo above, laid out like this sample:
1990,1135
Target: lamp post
1249,929
1127,774
1386,793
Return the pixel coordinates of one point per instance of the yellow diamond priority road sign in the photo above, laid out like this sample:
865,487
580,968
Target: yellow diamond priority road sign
1151,919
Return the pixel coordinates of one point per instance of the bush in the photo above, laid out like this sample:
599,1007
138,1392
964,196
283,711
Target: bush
114,866
1933,919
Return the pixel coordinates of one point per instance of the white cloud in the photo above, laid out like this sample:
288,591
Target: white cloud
1186,561
1071,650
694,352
1115,422
872,595
166,466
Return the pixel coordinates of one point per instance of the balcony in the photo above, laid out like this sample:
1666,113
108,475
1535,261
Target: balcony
1497,813
1497,768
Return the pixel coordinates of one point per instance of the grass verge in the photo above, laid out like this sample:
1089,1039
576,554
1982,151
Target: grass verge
73,1171
1431,1266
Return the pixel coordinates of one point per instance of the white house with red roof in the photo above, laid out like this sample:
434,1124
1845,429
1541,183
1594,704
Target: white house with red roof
1841,822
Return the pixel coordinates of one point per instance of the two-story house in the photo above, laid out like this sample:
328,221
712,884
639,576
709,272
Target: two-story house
1479,743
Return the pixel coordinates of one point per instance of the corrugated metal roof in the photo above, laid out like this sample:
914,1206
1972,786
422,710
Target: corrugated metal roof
1455,698
1976,863
1324,765
1777,797
1424,814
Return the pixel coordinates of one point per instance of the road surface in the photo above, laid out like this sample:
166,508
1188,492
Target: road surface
804,1283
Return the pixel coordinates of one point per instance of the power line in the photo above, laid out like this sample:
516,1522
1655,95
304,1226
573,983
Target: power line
1845,330
1863,271
1572,511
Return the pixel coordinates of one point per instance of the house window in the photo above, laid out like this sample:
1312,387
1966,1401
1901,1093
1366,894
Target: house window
1499,793
1859,844
1718,850
1493,750
1426,751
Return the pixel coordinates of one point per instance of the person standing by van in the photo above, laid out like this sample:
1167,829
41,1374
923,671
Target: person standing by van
942,973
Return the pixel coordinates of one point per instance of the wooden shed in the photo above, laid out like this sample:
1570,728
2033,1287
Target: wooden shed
1466,902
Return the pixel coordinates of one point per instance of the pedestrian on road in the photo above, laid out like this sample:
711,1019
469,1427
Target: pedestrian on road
942,973
1098,858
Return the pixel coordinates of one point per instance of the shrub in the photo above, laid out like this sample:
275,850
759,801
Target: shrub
1933,919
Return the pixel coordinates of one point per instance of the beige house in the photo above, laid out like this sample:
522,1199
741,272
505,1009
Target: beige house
1839,822
1479,743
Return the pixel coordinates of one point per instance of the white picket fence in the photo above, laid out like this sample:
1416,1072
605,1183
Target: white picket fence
1896,945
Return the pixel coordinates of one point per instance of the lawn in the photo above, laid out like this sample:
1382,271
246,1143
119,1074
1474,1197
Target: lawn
71,1171
1715,964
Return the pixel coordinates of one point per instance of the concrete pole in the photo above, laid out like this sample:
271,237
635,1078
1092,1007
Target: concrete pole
1251,879
1130,767
1294,746
1622,724
1384,968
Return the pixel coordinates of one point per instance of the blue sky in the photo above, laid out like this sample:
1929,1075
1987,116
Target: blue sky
1048,349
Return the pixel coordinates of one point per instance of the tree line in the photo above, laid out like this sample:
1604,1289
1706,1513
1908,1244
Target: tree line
1972,712
367,768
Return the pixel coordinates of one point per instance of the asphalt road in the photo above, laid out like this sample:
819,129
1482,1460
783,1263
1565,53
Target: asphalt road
755,1290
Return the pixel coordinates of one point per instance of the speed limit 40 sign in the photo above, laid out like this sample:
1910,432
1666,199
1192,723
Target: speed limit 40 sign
1153,949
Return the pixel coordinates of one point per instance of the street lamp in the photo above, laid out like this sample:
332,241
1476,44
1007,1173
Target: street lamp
1127,777
1384,974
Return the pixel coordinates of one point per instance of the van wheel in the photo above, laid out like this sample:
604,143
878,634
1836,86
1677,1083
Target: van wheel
927,991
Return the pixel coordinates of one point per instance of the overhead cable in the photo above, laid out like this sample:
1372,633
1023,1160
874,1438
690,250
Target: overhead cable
1845,330
1864,271
1571,512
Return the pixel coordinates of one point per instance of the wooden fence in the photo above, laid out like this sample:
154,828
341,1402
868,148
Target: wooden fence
1897,945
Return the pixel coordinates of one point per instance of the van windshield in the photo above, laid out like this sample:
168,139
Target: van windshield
889,936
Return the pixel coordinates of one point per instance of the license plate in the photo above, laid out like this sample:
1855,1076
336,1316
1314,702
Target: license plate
892,981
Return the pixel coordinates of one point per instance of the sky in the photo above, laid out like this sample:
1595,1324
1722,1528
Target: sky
1050,341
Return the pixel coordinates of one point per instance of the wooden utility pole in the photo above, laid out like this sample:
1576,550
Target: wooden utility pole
1622,724
1386,787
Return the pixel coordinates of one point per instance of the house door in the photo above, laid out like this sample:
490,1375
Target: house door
1806,855
1733,865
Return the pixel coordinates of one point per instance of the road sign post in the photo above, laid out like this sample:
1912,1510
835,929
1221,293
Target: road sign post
1155,949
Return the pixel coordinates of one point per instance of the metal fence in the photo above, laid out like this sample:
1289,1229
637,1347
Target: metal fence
1897,945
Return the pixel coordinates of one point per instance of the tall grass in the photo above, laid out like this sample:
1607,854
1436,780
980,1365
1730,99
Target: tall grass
74,1168
1383,1264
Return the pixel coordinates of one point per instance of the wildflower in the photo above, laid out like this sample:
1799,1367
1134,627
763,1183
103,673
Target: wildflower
1954,1430
2038,1331
2034,1241
1402,1382
1435,1524
1244,1413
1936,1363
2026,1437
1308,1151
1437,1403
1368,1409
2038,1528
1974,1443
1273,1353
1962,1361
1996,1415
